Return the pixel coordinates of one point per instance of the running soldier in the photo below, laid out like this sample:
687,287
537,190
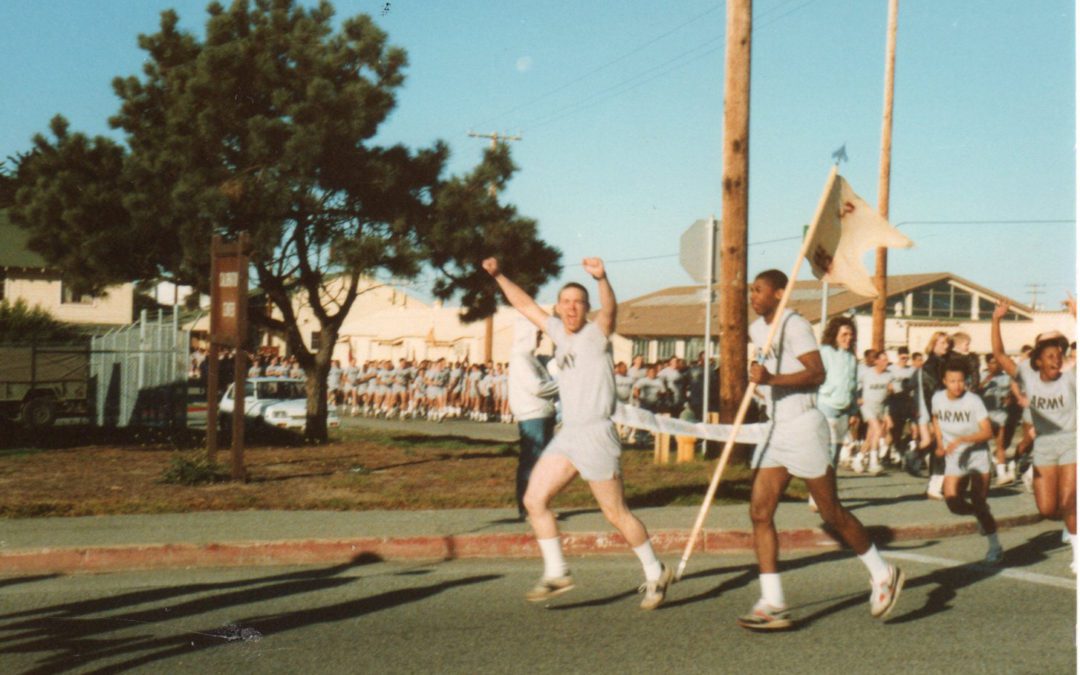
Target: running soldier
797,443
587,443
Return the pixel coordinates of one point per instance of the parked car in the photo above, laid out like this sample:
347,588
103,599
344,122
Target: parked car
276,401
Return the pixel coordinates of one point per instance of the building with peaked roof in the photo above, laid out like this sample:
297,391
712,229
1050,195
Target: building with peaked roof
671,321
25,275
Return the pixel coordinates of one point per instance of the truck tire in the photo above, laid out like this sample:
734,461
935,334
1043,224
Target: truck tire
39,412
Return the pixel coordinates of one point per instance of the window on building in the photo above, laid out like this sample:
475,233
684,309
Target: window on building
665,349
942,301
696,345
68,296
986,311
316,338
641,348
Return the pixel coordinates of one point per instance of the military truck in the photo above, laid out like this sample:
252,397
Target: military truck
39,384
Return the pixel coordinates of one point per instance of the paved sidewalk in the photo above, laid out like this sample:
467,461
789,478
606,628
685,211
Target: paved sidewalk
892,506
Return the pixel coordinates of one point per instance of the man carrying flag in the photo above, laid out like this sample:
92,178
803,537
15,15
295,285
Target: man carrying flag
797,441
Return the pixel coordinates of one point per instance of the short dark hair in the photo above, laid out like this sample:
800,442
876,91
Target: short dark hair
957,366
775,278
574,284
901,350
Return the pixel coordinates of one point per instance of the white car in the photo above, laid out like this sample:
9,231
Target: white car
277,401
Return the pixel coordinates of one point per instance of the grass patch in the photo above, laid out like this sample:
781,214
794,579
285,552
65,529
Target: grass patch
192,469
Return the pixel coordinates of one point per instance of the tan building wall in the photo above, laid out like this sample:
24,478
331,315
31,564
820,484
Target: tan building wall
115,306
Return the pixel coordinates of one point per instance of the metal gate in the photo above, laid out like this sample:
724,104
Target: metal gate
140,373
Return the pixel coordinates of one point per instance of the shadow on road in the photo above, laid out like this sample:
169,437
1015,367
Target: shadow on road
78,635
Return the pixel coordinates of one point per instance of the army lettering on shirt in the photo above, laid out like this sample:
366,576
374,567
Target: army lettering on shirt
1052,404
959,417
586,372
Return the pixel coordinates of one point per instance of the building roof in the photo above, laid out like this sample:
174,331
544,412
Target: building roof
680,310
14,251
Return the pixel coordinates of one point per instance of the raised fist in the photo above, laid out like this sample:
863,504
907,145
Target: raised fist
491,266
594,266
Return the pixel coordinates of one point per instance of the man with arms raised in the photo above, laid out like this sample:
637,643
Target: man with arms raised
587,443
797,443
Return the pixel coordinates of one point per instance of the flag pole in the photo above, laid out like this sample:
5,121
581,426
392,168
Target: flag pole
749,395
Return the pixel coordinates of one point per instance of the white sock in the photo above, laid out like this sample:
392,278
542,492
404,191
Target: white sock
879,569
554,564
1075,541
649,561
771,590
1000,470
992,542
935,484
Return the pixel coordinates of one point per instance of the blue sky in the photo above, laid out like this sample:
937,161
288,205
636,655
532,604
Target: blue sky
620,106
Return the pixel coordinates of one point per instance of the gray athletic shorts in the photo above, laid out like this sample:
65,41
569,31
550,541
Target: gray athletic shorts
801,445
435,392
872,411
1055,449
975,459
593,448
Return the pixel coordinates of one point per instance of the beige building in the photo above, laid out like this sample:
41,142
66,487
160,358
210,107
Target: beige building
671,321
386,321
24,275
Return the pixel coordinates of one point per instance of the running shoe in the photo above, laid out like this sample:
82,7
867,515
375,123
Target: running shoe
1004,480
883,595
858,463
766,617
549,587
994,556
1028,478
656,590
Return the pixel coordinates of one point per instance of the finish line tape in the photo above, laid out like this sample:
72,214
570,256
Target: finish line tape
639,418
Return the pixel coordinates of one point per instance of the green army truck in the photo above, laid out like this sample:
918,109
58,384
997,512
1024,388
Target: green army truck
39,384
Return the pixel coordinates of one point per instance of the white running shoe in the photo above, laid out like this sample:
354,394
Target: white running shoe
858,463
874,469
549,587
883,596
655,591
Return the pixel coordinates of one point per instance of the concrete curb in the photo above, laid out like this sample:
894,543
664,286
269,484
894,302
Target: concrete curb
21,562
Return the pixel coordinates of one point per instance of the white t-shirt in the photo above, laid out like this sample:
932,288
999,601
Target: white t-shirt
794,338
586,372
959,417
1052,404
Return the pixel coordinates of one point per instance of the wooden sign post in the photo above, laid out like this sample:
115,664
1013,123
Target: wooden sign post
228,328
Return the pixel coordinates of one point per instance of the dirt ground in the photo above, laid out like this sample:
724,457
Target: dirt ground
361,471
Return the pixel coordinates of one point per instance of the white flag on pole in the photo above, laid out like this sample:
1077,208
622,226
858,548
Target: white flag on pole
847,228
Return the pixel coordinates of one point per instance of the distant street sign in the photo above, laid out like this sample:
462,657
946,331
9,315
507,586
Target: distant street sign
694,251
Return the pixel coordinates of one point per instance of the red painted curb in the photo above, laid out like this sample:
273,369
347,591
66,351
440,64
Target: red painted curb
445,547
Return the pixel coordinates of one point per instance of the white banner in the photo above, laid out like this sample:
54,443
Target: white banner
639,418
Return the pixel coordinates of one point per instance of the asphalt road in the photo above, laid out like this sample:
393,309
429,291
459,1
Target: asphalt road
469,616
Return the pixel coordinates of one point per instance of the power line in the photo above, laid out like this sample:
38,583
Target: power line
666,67
1047,221
599,68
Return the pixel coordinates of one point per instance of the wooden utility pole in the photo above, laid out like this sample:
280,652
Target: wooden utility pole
734,208
489,323
881,270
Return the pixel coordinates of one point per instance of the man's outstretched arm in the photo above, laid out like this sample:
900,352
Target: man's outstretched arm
518,298
605,319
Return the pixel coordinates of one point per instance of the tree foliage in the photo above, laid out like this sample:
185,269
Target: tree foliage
266,126
23,324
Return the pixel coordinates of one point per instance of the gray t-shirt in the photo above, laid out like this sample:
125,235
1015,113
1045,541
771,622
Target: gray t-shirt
959,417
994,393
624,387
649,389
1052,404
673,381
794,338
586,372
875,386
